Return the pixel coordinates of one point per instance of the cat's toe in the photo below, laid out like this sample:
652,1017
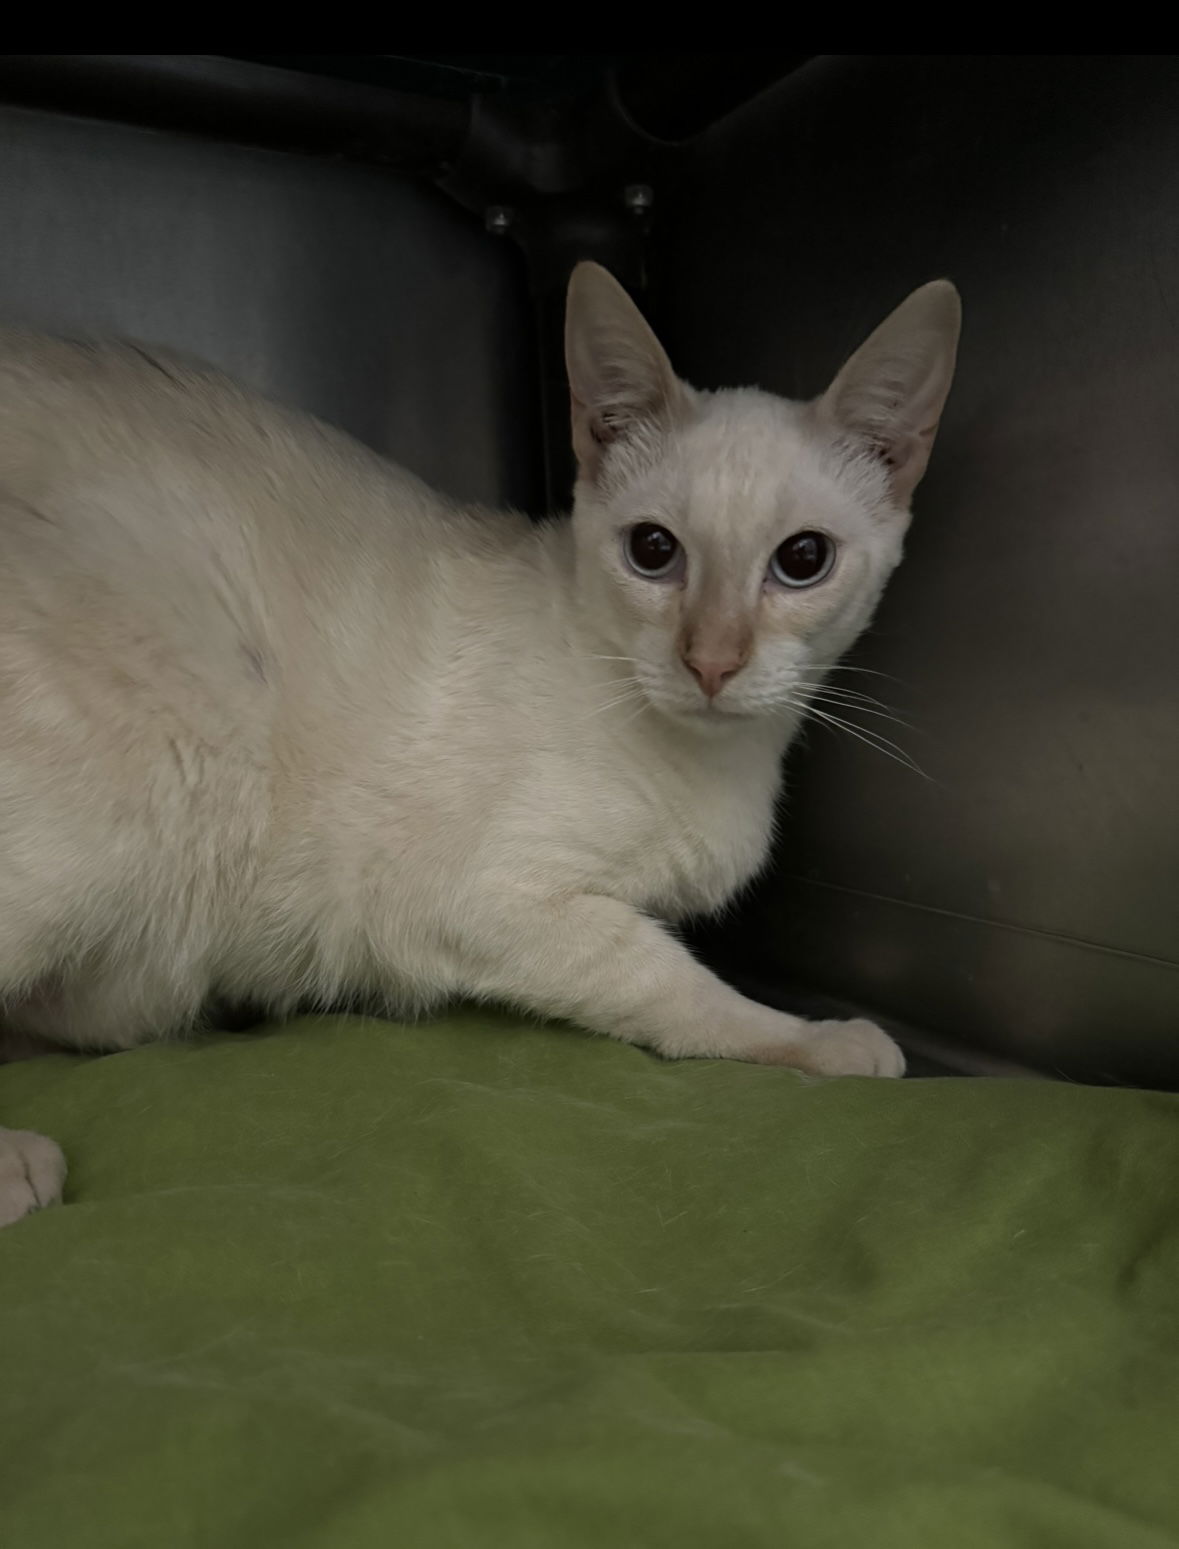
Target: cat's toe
32,1173
855,1048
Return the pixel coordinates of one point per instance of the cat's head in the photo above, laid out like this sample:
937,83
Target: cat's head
731,545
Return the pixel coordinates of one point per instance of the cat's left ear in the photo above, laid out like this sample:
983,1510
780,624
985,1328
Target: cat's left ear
620,379
892,391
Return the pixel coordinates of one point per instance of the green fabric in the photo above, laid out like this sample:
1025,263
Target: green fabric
348,1284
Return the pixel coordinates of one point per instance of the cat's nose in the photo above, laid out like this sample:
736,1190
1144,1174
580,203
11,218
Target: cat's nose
713,672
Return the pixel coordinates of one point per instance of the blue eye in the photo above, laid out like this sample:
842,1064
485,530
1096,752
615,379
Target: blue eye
652,551
804,559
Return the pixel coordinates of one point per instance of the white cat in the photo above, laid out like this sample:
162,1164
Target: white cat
281,724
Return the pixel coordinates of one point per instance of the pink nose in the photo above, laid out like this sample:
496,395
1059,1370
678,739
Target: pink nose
712,673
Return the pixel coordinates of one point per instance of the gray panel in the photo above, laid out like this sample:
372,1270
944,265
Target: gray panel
343,289
1026,894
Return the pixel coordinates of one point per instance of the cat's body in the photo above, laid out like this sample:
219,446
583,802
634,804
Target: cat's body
282,725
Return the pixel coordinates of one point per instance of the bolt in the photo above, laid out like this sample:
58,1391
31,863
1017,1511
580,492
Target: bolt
638,197
498,219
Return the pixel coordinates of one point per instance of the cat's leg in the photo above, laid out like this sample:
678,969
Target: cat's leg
600,963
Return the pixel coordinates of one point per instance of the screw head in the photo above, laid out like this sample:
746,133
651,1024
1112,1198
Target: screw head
638,197
498,219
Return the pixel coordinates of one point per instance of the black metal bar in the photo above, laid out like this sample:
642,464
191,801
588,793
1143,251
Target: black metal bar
252,103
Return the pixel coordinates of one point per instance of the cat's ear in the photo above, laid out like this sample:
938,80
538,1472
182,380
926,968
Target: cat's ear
892,391
620,379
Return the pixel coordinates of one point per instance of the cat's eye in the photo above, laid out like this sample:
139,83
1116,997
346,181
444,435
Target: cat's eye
804,558
652,551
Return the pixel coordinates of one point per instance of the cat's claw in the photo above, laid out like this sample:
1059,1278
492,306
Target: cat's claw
855,1048
32,1173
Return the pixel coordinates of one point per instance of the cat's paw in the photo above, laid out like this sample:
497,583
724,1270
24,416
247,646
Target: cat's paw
856,1048
32,1172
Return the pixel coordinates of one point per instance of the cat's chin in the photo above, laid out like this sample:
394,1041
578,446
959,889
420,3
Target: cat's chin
709,715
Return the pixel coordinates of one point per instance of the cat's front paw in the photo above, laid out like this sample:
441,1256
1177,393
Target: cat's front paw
855,1048
32,1173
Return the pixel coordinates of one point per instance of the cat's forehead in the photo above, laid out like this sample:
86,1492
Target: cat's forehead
749,460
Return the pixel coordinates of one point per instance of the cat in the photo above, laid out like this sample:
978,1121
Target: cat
283,725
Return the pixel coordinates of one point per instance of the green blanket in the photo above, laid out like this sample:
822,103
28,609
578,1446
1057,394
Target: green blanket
350,1284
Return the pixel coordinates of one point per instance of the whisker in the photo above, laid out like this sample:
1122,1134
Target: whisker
866,731
871,672
853,696
633,691
881,715
869,741
616,699
850,699
870,738
813,674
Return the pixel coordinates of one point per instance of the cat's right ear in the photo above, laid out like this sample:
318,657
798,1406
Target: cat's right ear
620,379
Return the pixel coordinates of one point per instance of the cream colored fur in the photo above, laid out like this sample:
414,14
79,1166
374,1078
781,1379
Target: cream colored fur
282,724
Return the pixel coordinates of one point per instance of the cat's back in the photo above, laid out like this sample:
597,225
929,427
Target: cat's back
170,486
85,402
77,414
161,524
